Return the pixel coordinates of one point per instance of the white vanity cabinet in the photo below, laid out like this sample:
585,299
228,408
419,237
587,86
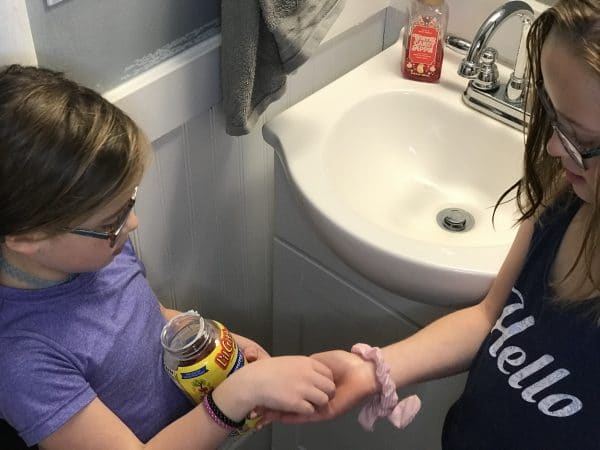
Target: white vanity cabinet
319,303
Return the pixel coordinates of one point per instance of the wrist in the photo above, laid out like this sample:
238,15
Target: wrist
232,396
385,403
218,416
400,373
369,371
377,371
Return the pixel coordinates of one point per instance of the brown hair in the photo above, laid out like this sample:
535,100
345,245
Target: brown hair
577,21
65,151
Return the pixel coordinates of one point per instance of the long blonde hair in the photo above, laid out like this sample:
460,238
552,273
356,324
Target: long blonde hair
578,22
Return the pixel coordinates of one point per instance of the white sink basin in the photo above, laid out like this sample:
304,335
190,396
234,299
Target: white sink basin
375,158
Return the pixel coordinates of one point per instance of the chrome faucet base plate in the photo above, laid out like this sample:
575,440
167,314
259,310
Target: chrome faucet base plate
493,104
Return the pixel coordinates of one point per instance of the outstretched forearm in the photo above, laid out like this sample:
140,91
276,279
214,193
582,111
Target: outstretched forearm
443,348
448,345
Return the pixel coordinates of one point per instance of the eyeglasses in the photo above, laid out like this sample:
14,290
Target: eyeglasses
573,150
115,229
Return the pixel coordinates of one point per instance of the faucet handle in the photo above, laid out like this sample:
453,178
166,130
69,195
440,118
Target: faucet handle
487,78
468,69
458,44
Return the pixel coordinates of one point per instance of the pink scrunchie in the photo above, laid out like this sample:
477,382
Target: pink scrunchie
385,403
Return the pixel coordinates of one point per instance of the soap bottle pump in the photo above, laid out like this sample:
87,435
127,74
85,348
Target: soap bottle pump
424,40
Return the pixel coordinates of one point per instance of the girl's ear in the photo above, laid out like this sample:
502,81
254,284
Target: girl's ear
26,243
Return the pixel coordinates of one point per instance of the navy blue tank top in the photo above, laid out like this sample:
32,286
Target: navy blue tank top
535,382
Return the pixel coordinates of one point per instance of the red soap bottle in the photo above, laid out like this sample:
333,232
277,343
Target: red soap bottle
424,40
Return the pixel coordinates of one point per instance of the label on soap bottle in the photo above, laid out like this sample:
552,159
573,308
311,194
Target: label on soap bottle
423,45
424,53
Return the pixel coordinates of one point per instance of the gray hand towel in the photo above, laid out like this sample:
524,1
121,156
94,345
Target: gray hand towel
262,42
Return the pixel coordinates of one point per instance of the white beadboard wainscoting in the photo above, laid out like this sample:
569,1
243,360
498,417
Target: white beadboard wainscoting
206,203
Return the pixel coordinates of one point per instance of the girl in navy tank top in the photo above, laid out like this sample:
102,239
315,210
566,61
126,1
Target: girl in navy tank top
532,345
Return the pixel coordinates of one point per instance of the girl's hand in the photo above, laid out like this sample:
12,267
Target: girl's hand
292,384
251,350
354,380
295,384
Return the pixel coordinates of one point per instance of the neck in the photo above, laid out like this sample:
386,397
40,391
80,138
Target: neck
22,279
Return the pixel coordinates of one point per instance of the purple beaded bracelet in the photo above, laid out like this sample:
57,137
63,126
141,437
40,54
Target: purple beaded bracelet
218,416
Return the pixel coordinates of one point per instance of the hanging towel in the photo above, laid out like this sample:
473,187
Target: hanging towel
262,42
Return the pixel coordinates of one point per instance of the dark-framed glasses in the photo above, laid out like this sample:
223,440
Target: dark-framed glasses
572,148
115,229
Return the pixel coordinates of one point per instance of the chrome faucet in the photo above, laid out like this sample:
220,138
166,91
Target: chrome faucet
485,92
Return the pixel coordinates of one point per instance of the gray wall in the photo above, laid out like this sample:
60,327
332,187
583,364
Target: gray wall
103,43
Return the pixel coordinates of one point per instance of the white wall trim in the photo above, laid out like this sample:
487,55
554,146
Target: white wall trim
16,41
174,91
182,87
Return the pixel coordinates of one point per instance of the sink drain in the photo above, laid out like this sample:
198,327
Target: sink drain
455,220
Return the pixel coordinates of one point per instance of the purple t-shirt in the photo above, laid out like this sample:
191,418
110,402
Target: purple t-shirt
95,336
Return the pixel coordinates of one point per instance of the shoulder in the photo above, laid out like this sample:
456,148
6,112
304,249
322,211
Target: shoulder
561,203
18,345
128,252
509,271
126,261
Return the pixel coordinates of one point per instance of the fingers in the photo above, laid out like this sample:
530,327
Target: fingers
325,382
251,354
316,391
254,353
295,384
326,386
322,368
320,387
261,353
319,415
315,397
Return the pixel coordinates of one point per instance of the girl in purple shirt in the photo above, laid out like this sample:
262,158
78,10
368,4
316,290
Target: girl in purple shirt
79,325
